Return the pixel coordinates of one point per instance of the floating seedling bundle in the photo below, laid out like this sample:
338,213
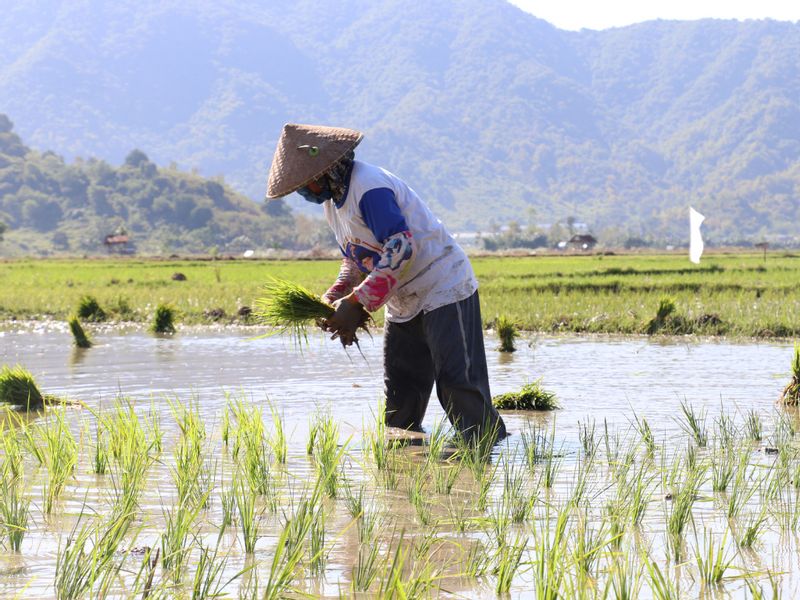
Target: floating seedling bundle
531,397
89,309
291,308
79,336
163,320
18,388
507,332
791,393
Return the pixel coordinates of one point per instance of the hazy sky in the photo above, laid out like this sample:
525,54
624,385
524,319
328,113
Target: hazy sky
594,14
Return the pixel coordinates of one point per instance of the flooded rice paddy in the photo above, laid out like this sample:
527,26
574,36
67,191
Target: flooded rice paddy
244,467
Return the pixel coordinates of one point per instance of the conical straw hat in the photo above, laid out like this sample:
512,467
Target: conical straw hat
304,153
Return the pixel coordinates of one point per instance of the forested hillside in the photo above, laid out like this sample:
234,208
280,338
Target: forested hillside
48,205
487,111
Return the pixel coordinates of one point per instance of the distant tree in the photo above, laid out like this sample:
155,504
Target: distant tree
60,240
557,234
136,158
3,229
571,224
199,217
35,178
41,215
183,207
216,191
312,232
11,145
101,173
98,200
276,208
531,228
636,242
74,186
163,210
514,236
6,126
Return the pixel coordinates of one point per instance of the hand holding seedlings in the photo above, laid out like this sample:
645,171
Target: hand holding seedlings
291,308
349,316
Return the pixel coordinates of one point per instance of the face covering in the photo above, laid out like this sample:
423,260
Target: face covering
310,196
333,182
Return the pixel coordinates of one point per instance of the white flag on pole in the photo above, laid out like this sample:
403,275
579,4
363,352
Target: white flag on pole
695,237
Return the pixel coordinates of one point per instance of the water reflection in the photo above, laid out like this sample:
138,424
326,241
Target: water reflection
78,355
505,358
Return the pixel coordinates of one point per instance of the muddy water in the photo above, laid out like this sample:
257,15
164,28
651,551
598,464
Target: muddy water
596,379
601,378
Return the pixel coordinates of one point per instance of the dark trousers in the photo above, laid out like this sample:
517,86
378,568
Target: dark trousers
443,346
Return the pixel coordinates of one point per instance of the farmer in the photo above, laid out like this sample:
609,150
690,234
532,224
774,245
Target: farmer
397,254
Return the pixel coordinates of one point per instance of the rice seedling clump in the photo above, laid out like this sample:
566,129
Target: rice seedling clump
79,336
18,388
507,332
532,396
791,393
291,308
89,309
666,311
163,320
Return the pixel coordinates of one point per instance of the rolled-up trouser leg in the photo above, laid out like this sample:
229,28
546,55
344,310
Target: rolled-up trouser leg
455,339
408,373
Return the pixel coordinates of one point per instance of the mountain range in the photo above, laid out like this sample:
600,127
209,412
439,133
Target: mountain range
491,114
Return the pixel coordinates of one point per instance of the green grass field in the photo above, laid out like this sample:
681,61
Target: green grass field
728,294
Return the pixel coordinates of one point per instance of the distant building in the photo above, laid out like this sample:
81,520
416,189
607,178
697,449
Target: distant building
582,241
118,244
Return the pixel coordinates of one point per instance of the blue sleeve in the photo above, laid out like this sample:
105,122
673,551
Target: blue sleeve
382,214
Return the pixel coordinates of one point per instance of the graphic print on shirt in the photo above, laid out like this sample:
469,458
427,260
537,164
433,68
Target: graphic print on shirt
398,251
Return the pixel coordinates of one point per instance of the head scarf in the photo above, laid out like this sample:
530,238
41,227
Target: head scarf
333,182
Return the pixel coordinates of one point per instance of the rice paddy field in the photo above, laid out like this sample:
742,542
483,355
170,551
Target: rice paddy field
210,464
180,457
734,295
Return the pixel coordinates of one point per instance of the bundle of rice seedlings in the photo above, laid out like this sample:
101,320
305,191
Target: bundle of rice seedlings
791,393
18,388
79,336
163,319
507,332
531,397
89,309
291,308
666,308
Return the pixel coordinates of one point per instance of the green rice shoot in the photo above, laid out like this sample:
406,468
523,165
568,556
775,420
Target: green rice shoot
18,388
89,309
791,393
290,308
163,320
79,337
507,332
532,396
666,309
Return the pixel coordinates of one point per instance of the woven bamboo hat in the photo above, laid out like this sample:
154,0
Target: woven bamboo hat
304,153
